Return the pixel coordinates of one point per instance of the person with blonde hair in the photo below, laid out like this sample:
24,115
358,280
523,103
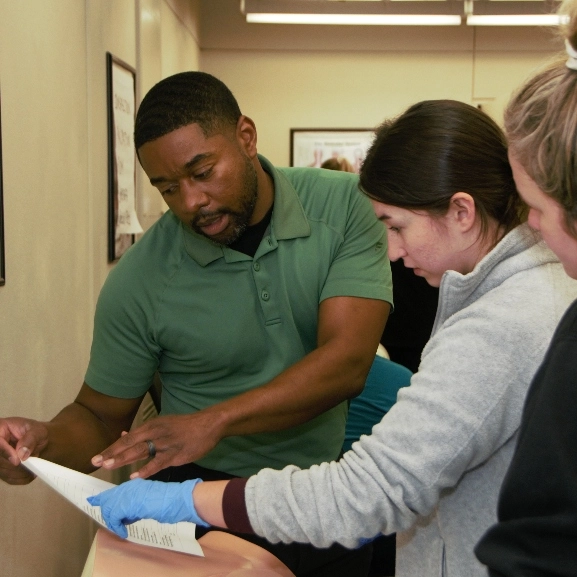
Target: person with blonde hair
439,179
338,163
536,533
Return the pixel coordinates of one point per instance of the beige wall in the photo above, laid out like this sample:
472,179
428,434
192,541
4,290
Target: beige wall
348,76
52,80
46,304
358,90
53,87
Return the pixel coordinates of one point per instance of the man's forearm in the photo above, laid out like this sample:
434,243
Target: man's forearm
332,373
317,383
74,436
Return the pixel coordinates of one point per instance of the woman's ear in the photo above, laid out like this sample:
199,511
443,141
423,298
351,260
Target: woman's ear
246,135
462,211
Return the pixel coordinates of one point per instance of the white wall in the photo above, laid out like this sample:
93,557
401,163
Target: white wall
54,137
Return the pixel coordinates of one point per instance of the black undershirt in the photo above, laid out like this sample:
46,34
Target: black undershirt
251,237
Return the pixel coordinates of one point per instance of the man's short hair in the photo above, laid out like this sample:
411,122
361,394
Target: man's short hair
182,99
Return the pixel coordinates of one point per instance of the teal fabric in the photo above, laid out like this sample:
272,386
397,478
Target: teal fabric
216,322
380,393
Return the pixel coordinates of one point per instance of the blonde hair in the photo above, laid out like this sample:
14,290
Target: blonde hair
338,163
541,125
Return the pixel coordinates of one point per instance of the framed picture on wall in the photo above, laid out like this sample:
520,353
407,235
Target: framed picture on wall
2,267
121,104
313,146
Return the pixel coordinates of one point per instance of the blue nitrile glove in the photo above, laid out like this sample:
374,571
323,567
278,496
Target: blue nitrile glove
365,540
141,499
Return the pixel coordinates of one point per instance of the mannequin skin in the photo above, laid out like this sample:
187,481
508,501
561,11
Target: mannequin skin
225,556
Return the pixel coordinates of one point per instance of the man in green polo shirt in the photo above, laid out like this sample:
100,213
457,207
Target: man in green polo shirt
259,298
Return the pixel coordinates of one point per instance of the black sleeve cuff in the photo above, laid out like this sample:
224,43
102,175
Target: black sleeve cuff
234,507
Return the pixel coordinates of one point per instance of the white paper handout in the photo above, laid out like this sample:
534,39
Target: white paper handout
76,487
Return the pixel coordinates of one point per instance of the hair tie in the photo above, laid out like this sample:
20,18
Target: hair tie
572,53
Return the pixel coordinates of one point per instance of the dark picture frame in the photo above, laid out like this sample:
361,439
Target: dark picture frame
2,253
121,106
312,146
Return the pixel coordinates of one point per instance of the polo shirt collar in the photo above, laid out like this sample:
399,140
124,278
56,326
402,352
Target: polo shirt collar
288,221
288,216
202,250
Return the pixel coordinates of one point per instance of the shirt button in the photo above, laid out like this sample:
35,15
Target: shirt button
269,240
265,296
256,266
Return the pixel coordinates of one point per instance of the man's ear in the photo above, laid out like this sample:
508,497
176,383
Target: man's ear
462,211
246,135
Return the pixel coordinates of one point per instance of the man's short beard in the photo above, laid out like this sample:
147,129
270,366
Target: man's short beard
239,219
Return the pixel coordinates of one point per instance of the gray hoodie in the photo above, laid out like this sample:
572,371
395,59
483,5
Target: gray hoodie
432,468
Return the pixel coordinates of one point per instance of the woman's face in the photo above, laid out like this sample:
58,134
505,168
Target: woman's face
428,245
547,216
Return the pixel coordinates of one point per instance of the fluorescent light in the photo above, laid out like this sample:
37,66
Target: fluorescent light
515,20
403,13
513,13
356,19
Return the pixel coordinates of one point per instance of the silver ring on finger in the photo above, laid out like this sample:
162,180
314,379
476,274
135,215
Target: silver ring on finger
151,449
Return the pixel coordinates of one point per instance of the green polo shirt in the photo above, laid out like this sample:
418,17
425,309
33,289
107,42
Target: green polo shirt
215,322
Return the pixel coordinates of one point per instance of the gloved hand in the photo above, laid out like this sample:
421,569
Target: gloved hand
141,499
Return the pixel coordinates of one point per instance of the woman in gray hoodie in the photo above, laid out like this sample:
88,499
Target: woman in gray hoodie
440,181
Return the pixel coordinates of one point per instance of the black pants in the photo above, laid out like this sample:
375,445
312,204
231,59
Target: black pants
303,560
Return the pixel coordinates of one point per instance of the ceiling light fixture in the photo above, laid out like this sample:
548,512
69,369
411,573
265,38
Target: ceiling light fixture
354,12
515,20
512,13
356,19
404,12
